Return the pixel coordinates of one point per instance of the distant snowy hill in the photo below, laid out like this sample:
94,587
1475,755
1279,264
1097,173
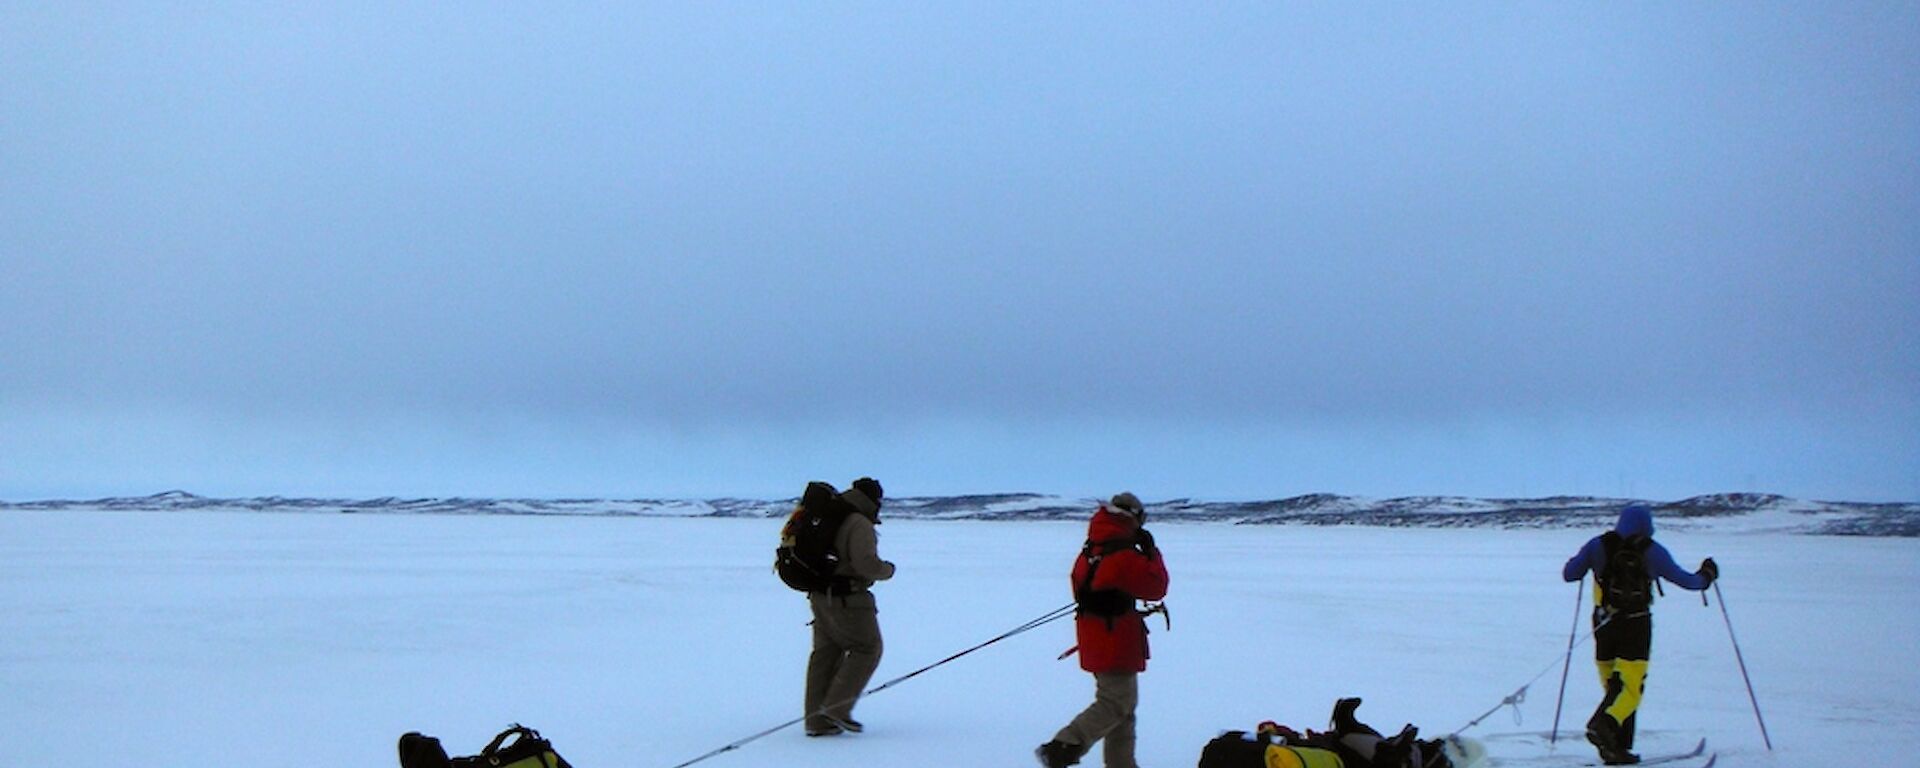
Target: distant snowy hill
1730,512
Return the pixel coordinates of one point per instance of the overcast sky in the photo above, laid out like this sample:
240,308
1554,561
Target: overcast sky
708,249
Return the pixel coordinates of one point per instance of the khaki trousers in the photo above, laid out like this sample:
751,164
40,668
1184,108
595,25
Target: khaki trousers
846,651
1108,720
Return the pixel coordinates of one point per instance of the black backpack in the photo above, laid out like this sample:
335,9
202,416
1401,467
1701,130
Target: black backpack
1236,749
805,558
1626,585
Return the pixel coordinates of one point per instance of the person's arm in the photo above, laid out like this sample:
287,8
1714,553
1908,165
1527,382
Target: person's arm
1663,566
1577,568
1141,576
862,553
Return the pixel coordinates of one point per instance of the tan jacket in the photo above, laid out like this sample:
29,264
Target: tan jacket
859,545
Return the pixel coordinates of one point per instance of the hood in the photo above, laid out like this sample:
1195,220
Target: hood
1635,520
862,504
1109,525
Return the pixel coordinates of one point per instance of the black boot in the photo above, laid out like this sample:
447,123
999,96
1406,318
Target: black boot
1604,734
1057,754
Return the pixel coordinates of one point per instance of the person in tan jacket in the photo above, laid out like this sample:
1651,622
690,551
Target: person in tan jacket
846,623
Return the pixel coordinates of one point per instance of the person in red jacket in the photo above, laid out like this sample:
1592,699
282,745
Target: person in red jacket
1118,565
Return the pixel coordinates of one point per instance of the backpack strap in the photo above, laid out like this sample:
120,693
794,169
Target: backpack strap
1643,544
1105,603
1610,543
834,516
515,729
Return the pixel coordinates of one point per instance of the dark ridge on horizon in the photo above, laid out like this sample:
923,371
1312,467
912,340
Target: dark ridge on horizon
1731,511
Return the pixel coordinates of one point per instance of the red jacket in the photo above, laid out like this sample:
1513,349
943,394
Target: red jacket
1116,643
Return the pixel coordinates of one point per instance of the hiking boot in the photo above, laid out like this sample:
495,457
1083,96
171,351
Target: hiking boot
1057,754
847,724
825,730
1604,735
1602,731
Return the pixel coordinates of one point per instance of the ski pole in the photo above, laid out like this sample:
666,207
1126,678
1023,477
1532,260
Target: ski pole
1741,658
1553,736
1046,618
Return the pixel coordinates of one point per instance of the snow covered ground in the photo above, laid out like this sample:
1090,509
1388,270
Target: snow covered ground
171,638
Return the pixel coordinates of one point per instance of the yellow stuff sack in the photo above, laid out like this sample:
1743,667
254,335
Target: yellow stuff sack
1301,757
1239,749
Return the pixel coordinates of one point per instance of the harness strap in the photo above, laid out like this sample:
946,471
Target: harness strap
1107,604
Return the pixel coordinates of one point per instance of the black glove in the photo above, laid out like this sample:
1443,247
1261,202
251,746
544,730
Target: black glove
1143,539
1710,571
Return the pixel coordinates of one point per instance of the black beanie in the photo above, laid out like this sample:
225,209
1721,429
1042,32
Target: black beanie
868,486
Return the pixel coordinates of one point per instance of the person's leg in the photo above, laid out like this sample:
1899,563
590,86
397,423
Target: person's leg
1624,691
1602,730
822,664
1116,748
1621,647
1609,679
1636,653
1115,696
856,625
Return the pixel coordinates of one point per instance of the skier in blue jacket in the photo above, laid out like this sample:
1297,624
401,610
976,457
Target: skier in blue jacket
1626,564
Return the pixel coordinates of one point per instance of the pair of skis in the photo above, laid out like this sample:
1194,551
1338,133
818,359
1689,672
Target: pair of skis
1697,751
1676,759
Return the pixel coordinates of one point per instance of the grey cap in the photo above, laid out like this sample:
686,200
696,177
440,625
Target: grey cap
1126,502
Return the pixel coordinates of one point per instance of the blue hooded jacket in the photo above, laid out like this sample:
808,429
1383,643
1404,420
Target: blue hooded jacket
1635,520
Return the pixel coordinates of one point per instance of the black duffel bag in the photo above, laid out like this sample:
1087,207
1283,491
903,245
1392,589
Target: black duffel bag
525,750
